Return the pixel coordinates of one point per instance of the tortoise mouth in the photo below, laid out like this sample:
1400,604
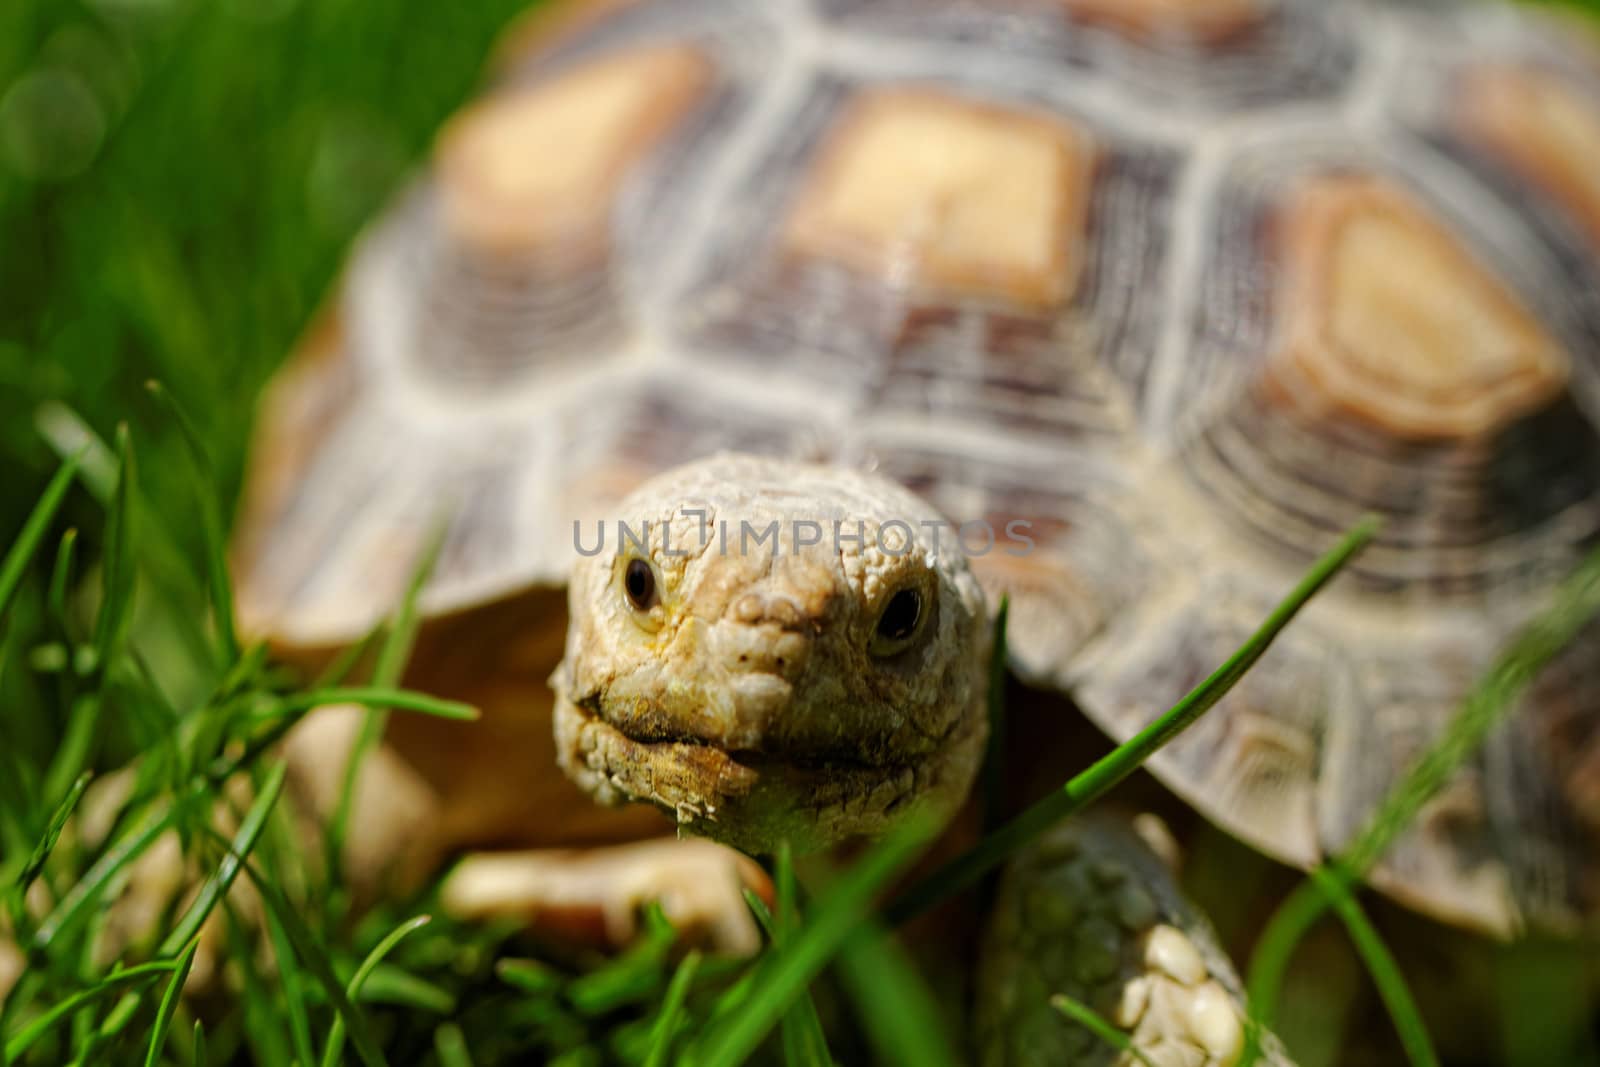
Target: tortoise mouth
645,722
751,800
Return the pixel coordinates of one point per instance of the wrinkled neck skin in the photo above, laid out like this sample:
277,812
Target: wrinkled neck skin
758,691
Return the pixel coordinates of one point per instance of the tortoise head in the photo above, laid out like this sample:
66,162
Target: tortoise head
773,650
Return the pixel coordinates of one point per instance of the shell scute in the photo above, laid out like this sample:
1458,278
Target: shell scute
864,267
1325,378
1205,56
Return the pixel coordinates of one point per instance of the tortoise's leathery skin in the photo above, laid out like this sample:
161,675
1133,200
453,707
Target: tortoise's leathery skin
1169,476
1091,912
749,700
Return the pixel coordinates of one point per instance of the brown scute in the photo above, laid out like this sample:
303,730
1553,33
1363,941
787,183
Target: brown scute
1388,318
1206,21
1542,127
540,166
961,197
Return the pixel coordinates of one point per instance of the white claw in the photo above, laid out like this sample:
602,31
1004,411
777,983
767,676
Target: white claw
1170,952
1158,837
1130,1007
1214,1023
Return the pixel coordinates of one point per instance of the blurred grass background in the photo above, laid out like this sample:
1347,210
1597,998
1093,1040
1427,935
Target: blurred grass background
179,180
179,184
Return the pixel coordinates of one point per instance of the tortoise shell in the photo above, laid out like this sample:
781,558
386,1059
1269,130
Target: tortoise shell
1155,297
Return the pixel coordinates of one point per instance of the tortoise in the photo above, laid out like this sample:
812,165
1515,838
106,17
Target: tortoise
1140,303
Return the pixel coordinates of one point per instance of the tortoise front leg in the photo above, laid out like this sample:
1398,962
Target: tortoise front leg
1093,912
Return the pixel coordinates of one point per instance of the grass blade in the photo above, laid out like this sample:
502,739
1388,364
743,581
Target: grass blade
1093,783
305,947
666,1025
800,1031
780,978
159,553
905,1025
88,889
244,842
76,747
532,977
335,1047
270,1046
52,834
23,1039
339,668
379,697
169,1004
61,580
1090,1020
116,605
633,975
245,671
292,983
1576,603
116,1021
221,587
759,909
388,984
451,1046
392,657
27,542
1269,962
1383,968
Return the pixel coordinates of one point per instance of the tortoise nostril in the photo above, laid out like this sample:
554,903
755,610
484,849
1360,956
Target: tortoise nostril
763,649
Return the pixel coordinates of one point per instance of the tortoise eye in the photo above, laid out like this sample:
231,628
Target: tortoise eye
639,582
900,622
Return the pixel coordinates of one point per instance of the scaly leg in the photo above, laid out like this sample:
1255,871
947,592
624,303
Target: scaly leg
1092,911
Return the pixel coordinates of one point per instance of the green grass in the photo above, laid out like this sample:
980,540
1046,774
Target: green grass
178,213
238,145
